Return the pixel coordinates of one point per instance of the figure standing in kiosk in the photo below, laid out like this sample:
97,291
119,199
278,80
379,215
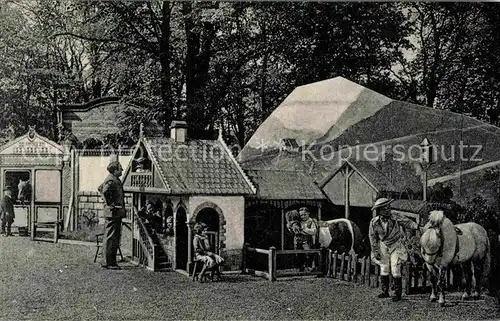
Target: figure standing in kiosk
7,211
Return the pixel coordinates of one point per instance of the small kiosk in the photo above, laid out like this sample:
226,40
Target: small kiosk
34,167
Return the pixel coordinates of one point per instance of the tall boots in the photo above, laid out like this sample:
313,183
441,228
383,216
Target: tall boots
385,286
398,288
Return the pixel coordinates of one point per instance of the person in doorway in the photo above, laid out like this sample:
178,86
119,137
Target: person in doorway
202,247
7,211
169,226
386,236
306,237
114,212
153,216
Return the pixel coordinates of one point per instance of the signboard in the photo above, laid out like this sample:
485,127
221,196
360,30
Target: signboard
32,144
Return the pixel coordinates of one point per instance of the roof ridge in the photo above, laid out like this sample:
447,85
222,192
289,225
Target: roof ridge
235,162
20,138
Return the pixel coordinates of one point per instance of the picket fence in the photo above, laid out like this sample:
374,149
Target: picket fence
351,268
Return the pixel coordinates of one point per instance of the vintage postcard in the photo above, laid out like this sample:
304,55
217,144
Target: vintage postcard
249,160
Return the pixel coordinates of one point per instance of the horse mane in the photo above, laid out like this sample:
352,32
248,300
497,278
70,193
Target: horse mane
292,216
436,218
429,240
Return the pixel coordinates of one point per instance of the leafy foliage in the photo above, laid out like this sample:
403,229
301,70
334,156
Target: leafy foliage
228,65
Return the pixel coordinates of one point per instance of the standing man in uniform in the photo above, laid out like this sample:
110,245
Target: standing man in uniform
386,238
7,211
114,212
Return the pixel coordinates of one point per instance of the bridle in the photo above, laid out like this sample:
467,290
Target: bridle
441,245
439,234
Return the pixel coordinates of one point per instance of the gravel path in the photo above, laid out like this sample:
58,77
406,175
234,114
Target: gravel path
43,281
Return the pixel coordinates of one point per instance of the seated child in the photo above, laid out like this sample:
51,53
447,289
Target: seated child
202,246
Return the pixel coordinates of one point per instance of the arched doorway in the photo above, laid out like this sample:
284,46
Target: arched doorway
210,217
181,239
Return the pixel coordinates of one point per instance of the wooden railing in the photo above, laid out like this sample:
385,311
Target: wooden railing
350,268
415,276
275,268
142,179
143,247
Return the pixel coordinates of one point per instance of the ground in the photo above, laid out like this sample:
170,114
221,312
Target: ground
45,281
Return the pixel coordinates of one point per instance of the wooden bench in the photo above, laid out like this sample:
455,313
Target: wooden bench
45,227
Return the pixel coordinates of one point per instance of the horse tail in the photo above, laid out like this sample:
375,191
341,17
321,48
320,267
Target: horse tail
351,229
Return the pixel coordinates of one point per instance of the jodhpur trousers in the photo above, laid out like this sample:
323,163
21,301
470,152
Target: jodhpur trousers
391,261
112,237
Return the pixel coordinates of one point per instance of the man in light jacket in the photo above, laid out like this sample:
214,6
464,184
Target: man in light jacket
386,238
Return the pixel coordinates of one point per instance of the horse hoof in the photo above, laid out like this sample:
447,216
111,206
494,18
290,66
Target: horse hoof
441,304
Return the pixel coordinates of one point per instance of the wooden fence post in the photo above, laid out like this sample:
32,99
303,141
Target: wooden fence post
335,257
330,263
363,270
324,261
349,269
56,232
342,264
355,269
368,275
272,264
244,258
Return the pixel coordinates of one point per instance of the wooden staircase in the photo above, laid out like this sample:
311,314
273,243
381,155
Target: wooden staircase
147,249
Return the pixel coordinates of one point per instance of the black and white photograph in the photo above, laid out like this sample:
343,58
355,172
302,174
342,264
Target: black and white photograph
249,160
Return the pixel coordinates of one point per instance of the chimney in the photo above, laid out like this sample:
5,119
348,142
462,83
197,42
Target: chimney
178,131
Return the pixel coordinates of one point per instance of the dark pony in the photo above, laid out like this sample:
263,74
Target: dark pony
341,235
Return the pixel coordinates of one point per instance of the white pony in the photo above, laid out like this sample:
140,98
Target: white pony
444,244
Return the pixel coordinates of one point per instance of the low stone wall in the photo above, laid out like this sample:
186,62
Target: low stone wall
92,202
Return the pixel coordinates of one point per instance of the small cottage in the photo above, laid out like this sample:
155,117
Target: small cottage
179,182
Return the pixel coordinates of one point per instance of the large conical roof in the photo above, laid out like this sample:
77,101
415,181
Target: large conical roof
320,111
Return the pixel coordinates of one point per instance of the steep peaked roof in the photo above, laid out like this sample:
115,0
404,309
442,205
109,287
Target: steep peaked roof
32,139
197,167
387,126
284,185
318,111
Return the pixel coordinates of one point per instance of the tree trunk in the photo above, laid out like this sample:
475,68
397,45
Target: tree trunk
166,88
192,48
198,55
